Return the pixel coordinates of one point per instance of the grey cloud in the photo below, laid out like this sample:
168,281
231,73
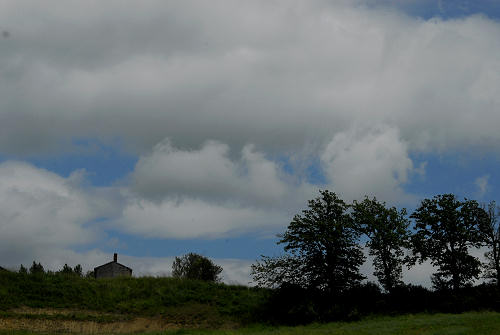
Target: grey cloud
212,174
274,74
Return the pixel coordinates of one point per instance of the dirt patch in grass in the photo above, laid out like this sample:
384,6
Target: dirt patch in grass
47,320
25,310
87,327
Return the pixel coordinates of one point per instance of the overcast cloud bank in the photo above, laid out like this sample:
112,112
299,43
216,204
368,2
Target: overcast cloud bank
273,74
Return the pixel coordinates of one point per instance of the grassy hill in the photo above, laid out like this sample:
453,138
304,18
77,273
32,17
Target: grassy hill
57,302
186,301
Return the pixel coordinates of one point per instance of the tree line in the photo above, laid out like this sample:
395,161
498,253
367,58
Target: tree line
37,268
189,266
323,246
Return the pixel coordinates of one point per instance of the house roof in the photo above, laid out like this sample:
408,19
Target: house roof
100,266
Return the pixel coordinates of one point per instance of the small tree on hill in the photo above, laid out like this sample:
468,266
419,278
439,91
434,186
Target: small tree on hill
77,270
36,268
66,270
194,266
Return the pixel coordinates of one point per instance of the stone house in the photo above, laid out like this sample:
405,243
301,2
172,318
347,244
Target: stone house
112,269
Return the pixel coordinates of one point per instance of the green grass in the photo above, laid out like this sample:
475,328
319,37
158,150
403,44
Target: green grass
472,323
188,300
73,316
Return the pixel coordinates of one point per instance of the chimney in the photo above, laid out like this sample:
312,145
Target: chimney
115,257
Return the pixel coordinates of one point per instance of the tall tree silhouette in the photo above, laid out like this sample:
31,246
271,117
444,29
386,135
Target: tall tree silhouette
445,230
387,230
322,249
492,241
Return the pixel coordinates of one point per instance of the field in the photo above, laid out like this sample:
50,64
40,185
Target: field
472,323
52,303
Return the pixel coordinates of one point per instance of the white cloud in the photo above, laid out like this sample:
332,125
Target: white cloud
191,218
209,193
482,185
40,211
371,162
210,173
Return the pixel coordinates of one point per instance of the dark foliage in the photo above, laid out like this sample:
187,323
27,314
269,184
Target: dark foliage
410,299
69,271
23,270
36,269
292,304
280,271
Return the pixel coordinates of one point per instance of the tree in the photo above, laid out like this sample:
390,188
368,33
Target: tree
274,271
23,270
492,239
445,230
77,270
194,266
322,249
66,270
36,268
387,230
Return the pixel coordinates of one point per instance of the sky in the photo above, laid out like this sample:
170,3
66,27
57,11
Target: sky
157,128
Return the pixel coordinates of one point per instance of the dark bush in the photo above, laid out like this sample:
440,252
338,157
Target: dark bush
292,305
